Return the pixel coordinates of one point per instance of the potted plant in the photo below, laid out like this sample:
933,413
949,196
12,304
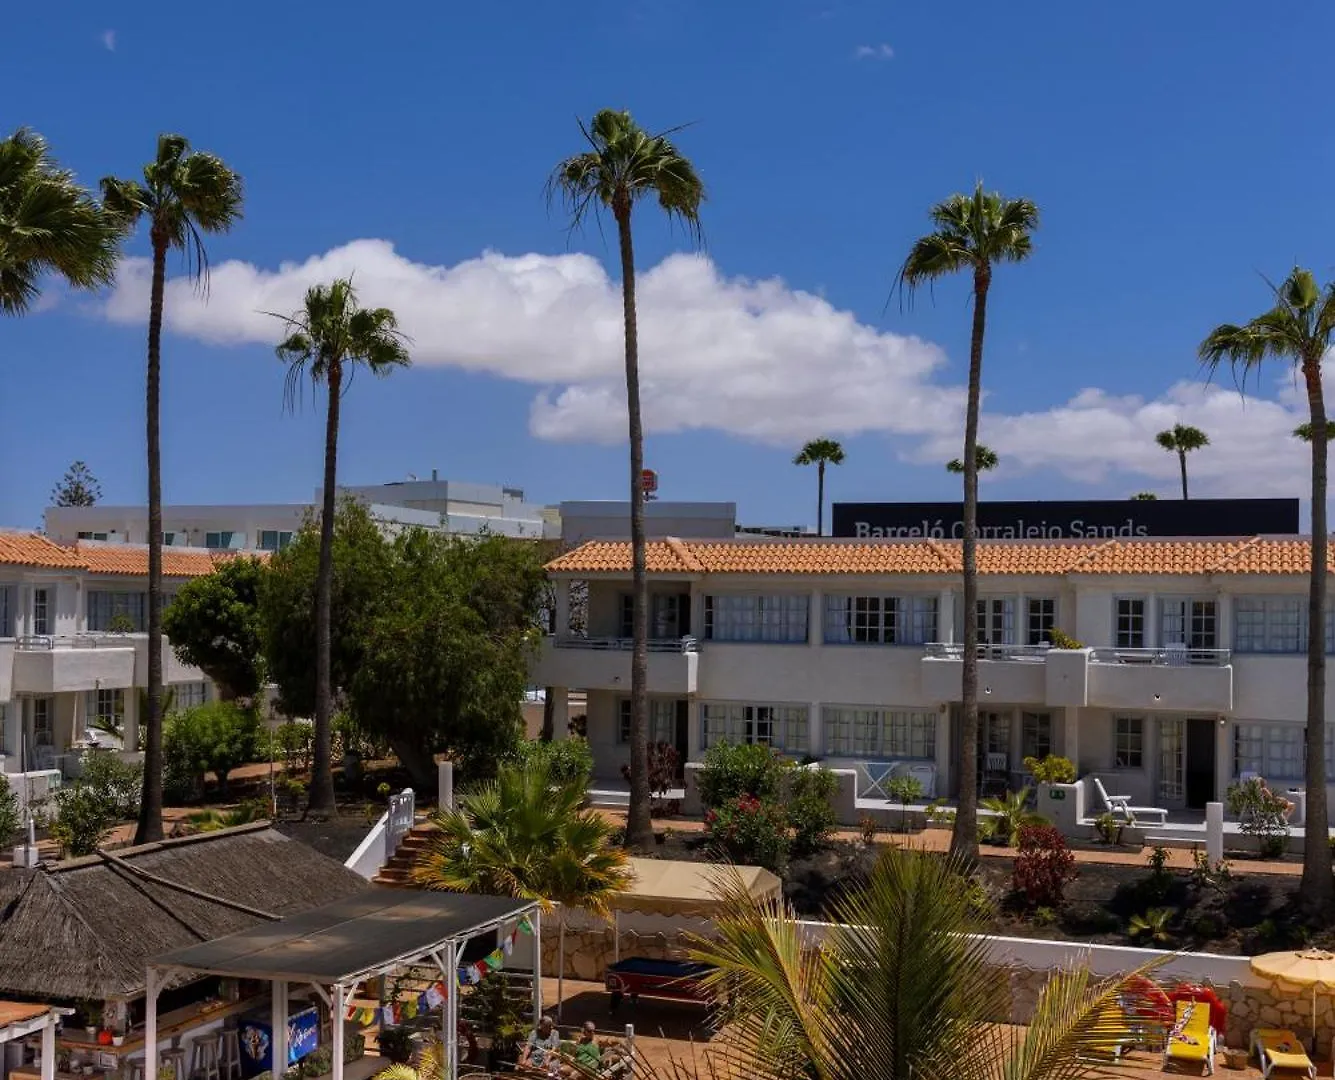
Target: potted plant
91,1011
501,1017
396,1043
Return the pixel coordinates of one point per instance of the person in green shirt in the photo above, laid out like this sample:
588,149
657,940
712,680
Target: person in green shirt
588,1054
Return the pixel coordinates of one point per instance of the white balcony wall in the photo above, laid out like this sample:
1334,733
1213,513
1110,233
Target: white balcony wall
1020,682
608,669
6,670
65,668
1165,688
173,671
1274,688
839,674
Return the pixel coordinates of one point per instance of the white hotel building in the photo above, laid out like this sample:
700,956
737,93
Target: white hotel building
1191,668
73,645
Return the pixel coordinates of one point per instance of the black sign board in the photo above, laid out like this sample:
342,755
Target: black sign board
1069,520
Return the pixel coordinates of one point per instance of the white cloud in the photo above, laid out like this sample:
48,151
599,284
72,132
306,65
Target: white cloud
753,358
109,40
874,52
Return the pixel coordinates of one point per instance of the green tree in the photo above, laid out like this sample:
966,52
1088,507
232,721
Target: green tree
78,487
899,989
624,164
820,452
214,624
48,224
1182,439
1304,431
1144,496
444,660
986,457
971,233
213,738
11,818
184,195
327,339
1297,331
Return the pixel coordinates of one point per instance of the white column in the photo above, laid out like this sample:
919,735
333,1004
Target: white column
449,1013
945,616
445,777
815,730
278,1028
560,712
944,766
1071,736
49,1048
1223,759
1224,621
151,1025
536,919
337,1008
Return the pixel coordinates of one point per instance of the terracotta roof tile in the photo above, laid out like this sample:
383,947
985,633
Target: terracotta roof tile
133,560
30,549
1161,556
1272,556
613,556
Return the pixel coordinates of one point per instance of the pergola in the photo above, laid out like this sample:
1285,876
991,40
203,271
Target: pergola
335,948
19,1020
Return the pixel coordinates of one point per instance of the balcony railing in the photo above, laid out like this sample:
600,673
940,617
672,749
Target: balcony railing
625,644
47,642
948,650
1172,656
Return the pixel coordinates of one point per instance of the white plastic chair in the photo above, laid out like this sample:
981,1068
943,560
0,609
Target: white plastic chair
1121,804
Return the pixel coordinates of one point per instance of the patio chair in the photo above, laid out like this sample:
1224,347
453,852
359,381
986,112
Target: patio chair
1192,1040
1276,1048
996,774
1121,805
1113,1047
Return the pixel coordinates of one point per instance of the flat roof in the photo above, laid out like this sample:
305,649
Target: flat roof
350,938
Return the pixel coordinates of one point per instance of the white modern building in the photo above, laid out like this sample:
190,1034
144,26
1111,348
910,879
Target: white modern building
455,507
73,647
610,520
1189,670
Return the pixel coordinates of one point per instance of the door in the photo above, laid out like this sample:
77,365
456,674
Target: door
1200,761
1172,762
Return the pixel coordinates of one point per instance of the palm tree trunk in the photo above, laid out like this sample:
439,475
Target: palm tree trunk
639,826
322,775
964,836
1182,460
820,498
1318,887
150,807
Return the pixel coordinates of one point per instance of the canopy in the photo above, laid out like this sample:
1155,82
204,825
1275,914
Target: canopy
674,887
1298,967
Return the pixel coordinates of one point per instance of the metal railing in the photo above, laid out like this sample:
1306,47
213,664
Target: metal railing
949,650
47,642
402,811
1171,656
624,644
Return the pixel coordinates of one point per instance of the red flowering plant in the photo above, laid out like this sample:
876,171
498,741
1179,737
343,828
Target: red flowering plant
750,831
1043,866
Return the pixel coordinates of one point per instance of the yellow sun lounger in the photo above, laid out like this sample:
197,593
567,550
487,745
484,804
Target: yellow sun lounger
1192,1040
1276,1048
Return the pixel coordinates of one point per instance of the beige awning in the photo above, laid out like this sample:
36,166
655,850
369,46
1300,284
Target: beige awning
673,887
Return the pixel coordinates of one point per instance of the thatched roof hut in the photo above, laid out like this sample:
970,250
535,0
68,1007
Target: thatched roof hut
86,928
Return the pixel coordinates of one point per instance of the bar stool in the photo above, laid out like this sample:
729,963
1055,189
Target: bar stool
204,1063
175,1058
229,1057
133,1069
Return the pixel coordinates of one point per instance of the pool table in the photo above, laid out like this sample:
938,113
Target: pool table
639,975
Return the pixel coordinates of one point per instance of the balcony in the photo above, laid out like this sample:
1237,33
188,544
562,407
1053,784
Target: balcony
604,664
1174,679
52,665
1013,674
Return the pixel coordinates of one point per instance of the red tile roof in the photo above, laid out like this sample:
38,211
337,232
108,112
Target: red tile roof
35,550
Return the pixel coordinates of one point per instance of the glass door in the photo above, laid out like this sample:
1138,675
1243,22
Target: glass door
1172,762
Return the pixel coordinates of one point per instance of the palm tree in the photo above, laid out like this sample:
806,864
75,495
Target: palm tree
623,164
1297,331
971,233
1182,439
820,452
898,989
1304,431
430,1063
526,835
48,224
986,457
326,340
184,194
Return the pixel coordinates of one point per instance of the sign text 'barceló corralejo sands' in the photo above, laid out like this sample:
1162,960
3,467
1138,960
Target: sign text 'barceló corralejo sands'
1069,520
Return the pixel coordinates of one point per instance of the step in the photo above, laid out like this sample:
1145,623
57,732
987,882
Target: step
394,873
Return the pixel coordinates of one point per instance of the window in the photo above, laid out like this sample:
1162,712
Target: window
996,620
851,732
92,536
41,721
1188,622
104,708
41,611
175,539
1274,624
662,721
1130,629
225,539
1041,618
669,615
781,618
1035,735
106,608
1274,751
6,611
1129,742
880,620
187,695
783,727
274,540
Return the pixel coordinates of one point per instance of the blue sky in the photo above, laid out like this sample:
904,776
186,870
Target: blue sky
1176,151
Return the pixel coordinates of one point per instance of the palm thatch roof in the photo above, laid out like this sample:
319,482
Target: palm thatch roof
86,928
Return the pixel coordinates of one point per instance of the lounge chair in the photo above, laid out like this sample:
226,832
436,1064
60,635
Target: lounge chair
1121,804
1113,1046
1276,1048
1192,1040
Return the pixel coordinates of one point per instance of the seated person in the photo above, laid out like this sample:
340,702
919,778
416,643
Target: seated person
542,1050
588,1055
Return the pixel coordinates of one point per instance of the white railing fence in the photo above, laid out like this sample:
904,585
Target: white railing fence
402,808
624,644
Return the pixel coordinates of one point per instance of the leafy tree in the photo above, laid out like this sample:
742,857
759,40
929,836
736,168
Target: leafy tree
214,625
1304,431
1297,331
444,660
327,339
78,487
820,452
622,165
48,224
11,818
1182,439
971,233
898,989
1144,496
568,760
184,194
213,738
105,794
986,457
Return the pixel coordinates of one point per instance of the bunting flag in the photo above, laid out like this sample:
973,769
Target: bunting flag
472,974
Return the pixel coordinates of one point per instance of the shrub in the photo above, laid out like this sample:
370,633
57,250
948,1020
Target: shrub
1205,876
1062,640
1043,866
868,827
295,740
568,761
1108,829
904,789
750,831
1261,813
662,761
82,821
1152,926
215,738
1009,815
117,784
10,817
810,811
396,1043
1051,769
731,771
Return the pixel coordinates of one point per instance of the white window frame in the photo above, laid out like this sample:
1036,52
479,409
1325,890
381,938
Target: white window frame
1182,609
43,734
41,611
102,606
862,731
996,617
1275,624
1144,618
758,618
662,721
103,705
784,727
1034,740
189,695
879,619
235,539
1275,751
1129,741
281,538
1038,622
7,593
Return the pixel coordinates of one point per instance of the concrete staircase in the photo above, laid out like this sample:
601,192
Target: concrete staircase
397,873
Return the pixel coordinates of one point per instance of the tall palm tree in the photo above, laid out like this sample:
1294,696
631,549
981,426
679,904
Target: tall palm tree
1297,331
48,224
326,340
622,165
1182,439
971,233
986,457
184,194
898,989
526,835
820,452
1304,431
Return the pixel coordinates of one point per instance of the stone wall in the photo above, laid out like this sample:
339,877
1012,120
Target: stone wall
589,952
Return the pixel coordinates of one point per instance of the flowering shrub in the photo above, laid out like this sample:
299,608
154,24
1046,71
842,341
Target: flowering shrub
1043,866
745,769
1261,813
750,831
